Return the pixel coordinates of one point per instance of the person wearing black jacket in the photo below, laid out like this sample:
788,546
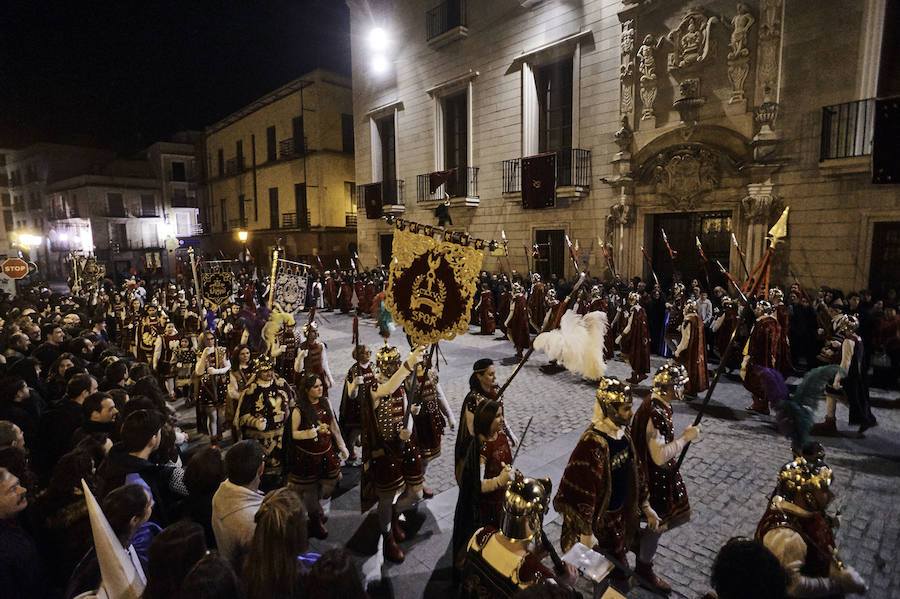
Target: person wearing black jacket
59,423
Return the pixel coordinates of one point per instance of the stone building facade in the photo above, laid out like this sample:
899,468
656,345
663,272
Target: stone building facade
703,119
282,168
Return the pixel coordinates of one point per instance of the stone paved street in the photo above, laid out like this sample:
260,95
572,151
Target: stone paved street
728,474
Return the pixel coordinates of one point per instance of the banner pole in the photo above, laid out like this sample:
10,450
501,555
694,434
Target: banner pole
272,277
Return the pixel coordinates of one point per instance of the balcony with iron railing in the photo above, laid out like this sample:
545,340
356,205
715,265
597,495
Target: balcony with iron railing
288,149
184,201
289,220
459,186
387,194
235,165
847,135
446,22
237,223
350,219
573,174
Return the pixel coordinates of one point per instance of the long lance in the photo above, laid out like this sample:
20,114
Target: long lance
521,439
732,346
672,253
607,253
740,252
548,324
703,261
649,265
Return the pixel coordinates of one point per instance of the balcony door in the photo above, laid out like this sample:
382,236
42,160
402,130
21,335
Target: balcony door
456,142
388,144
551,252
300,205
554,94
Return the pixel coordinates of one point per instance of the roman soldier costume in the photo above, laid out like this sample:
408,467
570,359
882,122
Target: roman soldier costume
185,362
311,357
357,387
761,351
285,361
783,364
262,415
233,328
345,295
433,414
500,563
517,320
691,351
486,312
212,367
391,459
150,328
601,491
329,290
635,340
536,302
723,326
674,316
164,360
797,530
359,288
657,451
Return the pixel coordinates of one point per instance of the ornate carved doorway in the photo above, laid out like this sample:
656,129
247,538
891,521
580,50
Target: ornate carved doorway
682,228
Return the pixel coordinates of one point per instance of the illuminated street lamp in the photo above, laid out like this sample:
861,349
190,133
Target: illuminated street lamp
242,236
379,42
28,241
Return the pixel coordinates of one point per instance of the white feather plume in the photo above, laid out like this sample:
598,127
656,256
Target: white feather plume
577,344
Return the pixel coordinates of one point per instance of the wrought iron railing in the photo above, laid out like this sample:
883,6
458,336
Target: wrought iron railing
573,169
459,183
444,17
184,201
391,193
288,149
350,219
237,223
234,165
289,220
847,129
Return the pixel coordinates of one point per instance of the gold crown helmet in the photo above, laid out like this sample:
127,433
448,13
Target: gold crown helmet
799,480
846,323
388,359
524,505
678,288
690,307
517,289
776,294
633,298
764,306
611,393
310,326
263,363
670,373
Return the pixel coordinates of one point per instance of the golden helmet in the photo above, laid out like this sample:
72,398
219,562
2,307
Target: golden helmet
611,393
388,359
524,505
263,363
670,373
799,480
690,307
776,295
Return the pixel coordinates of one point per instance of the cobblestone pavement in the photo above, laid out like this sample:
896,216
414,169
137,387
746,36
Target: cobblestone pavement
728,474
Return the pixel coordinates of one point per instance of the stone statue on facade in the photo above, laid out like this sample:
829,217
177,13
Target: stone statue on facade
647,69
740,28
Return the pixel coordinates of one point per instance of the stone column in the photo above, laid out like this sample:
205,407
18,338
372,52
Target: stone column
758,205
619,216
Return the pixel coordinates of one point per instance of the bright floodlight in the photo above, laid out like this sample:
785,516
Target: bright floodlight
379,64
242,235
378,38
29,241
63,236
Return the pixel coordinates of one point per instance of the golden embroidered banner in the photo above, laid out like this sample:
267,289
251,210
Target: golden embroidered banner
217,287
432,282
290,286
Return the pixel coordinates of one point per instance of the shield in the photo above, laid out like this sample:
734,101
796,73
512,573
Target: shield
217,287
431,286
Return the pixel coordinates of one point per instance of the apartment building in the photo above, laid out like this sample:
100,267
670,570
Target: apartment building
281,168
611,121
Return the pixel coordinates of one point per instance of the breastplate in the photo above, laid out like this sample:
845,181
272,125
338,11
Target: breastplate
389,415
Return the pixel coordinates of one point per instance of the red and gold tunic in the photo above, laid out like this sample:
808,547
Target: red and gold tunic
783,362
315,459
345,299
272,402
495,455
284,362
693,357
486,313
350,416
165,368
429,422
635,343
536,304
668,495
485,575
517,329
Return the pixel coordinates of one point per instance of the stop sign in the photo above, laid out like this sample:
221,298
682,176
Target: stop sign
15,268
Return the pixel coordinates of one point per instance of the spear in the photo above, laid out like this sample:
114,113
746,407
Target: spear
703,261
729,349
650,265
740,253
672,253
527,259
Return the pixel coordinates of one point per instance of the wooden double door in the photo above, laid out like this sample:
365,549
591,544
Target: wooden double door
682,229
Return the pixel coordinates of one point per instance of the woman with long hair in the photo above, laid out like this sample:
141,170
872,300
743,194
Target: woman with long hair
211,578
241,371
173,553
56,377
278,560
316,442
483,476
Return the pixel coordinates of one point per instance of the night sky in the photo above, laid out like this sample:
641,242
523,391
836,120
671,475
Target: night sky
124,74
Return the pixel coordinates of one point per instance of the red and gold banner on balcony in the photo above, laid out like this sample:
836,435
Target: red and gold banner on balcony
432,281
539,181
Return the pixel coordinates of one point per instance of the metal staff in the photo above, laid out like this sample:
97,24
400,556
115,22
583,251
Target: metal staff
527,259
519,448
272,277
740,252
703,261
650,265
725,357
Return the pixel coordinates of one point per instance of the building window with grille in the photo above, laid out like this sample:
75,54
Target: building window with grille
553,85
271,145
148,205
115,205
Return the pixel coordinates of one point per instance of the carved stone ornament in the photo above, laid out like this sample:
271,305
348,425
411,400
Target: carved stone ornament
769,43
626,75
758,206
738,70
739,54
624,136
691,41
647,68
685,174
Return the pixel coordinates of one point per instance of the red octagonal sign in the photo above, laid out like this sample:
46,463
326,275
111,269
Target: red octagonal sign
15,268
